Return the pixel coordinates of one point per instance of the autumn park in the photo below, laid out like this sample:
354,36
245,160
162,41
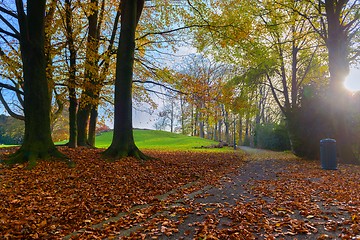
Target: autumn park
179,119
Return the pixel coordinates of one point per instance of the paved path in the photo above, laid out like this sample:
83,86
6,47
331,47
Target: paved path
209,205
251,150
232,189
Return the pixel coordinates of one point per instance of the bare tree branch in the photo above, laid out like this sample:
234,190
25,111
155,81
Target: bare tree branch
4,10
159,84
11,113
9,33
175,29
12,88
7,23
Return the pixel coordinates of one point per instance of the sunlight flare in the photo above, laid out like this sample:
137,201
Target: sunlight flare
352,82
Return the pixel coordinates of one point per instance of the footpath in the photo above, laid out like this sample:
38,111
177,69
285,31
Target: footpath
272,196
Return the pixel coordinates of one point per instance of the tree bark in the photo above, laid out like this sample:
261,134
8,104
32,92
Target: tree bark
90,94
37,103
215,138
201,129
337,43
227,126
92,126
123,144
219,130
240,131
182,115
73,104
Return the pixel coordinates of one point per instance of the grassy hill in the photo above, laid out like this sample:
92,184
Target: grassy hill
153,139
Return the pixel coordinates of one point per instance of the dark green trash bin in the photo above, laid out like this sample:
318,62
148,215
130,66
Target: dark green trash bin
328,154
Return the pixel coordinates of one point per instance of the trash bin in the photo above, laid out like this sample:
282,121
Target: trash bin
328,154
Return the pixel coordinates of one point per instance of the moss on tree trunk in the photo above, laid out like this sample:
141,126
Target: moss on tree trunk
37,142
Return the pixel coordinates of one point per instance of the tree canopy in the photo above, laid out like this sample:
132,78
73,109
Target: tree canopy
257,63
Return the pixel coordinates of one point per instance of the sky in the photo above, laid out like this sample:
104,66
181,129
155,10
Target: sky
146,120
352,81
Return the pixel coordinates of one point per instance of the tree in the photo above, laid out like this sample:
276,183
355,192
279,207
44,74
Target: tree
11,130
73,104
167,116
275,47
123,144
337,23
91,88
37,103
339,34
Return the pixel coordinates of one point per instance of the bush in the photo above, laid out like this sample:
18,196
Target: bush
272,136
11,130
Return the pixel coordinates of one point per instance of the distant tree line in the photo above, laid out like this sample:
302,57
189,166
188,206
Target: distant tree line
11,130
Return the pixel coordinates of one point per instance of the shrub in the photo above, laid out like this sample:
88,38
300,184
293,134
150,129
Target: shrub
272,136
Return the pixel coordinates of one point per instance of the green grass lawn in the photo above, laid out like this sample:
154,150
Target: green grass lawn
157,140
152,139
2,145
160,140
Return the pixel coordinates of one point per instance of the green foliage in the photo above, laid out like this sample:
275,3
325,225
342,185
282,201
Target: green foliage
11,130
310,122
247,141
272,136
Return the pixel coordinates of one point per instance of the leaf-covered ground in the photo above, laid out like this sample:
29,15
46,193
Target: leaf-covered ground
184,195
52,201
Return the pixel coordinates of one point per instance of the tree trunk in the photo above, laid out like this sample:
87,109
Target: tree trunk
227,126
92,126
219,130
73,131
172,117
37,103
196,120
123,144
201,129
215,138
89,96
247,131
192,120
72,77
337,44
240,131
83,116
182,115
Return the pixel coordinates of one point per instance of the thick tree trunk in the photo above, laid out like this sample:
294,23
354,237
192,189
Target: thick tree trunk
123,144
337,44
37,142
83,116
